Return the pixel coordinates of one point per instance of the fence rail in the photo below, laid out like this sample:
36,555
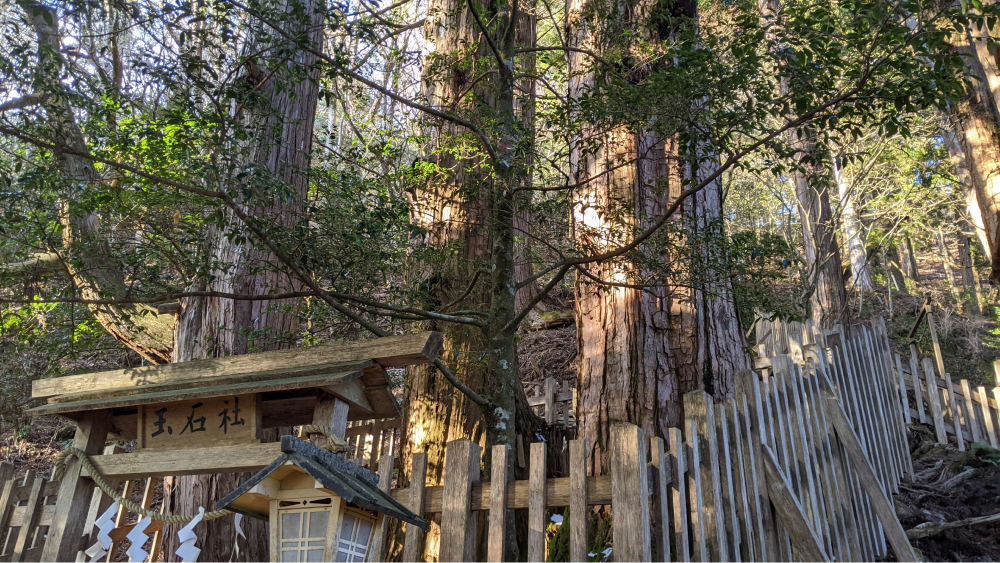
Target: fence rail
797,465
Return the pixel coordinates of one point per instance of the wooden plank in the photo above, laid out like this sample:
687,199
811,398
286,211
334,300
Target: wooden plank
629,493
578,511
699,408
972,417
30,521
550,398
730,522
953,412
557,494
414,540
66,529
191,461
353,392
678,494
750,541
938,356
120,518
881,504
934,401
889,444
874,419
805,543
458,523
904,403
499,478
217,421
917,391
6,497
809,496
285,384
536,502
661,498
389,351
696,511
996,395
750,405
376,552
827,527
991,431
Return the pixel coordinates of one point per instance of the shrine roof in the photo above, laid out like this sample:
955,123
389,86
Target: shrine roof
354,371
350,482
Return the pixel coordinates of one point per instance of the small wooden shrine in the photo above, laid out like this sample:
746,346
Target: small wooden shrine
206,417
320,506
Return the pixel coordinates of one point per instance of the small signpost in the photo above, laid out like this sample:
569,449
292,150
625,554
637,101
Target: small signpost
206,416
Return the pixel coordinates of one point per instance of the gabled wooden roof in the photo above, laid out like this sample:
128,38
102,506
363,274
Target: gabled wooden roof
287,379
348,481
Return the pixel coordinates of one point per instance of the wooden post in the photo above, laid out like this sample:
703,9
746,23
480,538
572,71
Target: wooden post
458,522
698,407
805,543
881,504
661,500
498,504
750,406
917,391
907,415
63,541
678,493
996,371
988,417
934,400
377,551
696,511
120,519
972,419
934,339
536,502
730,522
32,512
550,401
956,420
330,412
414,541
630,493
578,511
741,473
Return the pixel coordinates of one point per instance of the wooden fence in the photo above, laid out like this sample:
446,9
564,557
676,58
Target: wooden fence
27,506
797,465
371,440
555,403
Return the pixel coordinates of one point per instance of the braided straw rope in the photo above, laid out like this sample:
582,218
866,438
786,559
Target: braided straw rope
334,444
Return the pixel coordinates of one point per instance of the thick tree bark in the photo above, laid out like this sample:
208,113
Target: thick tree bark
86,255
860,270
281,144
641,350
970,189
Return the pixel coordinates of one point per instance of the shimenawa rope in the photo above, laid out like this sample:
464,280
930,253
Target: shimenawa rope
334,443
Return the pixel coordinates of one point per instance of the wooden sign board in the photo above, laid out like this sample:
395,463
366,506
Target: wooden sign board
216,421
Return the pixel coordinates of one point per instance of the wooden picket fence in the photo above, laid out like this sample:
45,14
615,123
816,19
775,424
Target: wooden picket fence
554,402
797,465
371,440
27,506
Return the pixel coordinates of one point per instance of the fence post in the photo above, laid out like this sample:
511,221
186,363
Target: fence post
956,421
661,500
984,401
917,391
498,504
536,503
32,512
577,500
458,522
377,552
699,408
751,409
934,400
75,490
970,407
414,535
630,493
678,490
